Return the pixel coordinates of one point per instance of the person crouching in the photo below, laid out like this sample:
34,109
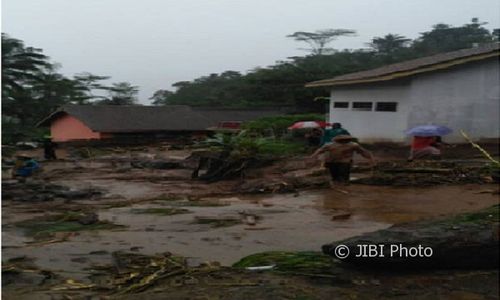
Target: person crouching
338,157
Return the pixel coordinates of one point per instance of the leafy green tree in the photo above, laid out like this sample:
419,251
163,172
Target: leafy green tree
19,64
445,38
161,97
87,84
389,44
121,93
319,39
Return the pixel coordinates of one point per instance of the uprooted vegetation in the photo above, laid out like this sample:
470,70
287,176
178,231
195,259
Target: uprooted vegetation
425,173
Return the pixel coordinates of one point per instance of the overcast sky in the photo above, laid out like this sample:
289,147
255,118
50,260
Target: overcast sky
154,43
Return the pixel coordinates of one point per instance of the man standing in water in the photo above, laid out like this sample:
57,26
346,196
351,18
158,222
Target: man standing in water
338,157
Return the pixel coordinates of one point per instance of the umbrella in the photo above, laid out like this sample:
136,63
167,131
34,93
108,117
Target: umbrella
308,124
428,130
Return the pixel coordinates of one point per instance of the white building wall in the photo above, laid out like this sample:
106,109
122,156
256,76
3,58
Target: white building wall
372,126
465,97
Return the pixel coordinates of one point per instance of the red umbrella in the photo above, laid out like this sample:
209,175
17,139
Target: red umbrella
309,124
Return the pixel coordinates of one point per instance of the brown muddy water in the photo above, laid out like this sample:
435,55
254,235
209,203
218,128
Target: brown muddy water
290,222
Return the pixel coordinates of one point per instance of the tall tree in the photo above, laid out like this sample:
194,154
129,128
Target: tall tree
319,39
389,44
87,84
161,97
121,93
19,64
444,38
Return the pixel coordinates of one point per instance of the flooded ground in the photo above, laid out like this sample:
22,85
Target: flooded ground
165,211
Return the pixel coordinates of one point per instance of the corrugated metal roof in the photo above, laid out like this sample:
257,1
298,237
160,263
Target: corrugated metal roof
125,118
411,67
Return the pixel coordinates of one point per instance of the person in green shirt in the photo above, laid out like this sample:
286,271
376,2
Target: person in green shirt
329,134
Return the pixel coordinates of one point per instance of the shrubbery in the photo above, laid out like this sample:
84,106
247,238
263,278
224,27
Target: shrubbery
278,125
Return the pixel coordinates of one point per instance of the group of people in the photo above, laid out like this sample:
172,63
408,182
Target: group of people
337,148
319,137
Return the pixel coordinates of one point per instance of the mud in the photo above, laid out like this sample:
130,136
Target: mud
304,220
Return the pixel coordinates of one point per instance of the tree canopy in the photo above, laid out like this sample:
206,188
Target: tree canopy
282,84
32,86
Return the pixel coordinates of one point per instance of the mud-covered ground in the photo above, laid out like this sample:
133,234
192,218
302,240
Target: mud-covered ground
55,246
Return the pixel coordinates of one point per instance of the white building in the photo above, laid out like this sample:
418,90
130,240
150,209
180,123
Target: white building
459,89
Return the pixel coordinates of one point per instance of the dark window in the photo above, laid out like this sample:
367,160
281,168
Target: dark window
340,104
386,106
366,106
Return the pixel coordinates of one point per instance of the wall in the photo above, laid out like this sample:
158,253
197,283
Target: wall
371,126
68,128
464,97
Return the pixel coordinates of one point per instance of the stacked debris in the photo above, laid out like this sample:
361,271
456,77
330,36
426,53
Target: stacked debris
39,191
424,173
132,272
157,164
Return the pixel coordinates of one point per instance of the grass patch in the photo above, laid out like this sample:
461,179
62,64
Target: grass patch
281,147
307,262
162,211
485,216
68,222
217,222
279,124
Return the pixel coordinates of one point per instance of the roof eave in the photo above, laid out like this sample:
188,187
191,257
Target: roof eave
391,76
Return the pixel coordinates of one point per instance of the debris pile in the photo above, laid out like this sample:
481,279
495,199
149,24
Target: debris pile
257,186
38,191
132,272
157,164
47,227
424,173
21,271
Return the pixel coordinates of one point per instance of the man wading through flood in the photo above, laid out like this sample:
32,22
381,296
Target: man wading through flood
338,158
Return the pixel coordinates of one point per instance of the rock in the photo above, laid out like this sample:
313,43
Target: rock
88,219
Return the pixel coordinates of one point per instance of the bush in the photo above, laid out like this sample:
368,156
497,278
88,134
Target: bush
279,124
244,145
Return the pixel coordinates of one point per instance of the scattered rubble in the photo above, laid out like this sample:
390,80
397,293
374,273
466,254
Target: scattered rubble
45,227
38,191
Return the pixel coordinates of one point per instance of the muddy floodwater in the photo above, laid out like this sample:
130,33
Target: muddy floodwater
290,222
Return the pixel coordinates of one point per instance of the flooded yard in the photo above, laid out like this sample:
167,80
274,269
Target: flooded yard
147,212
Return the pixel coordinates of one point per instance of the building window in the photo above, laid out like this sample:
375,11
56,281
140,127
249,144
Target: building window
341,105
386,106
362,106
